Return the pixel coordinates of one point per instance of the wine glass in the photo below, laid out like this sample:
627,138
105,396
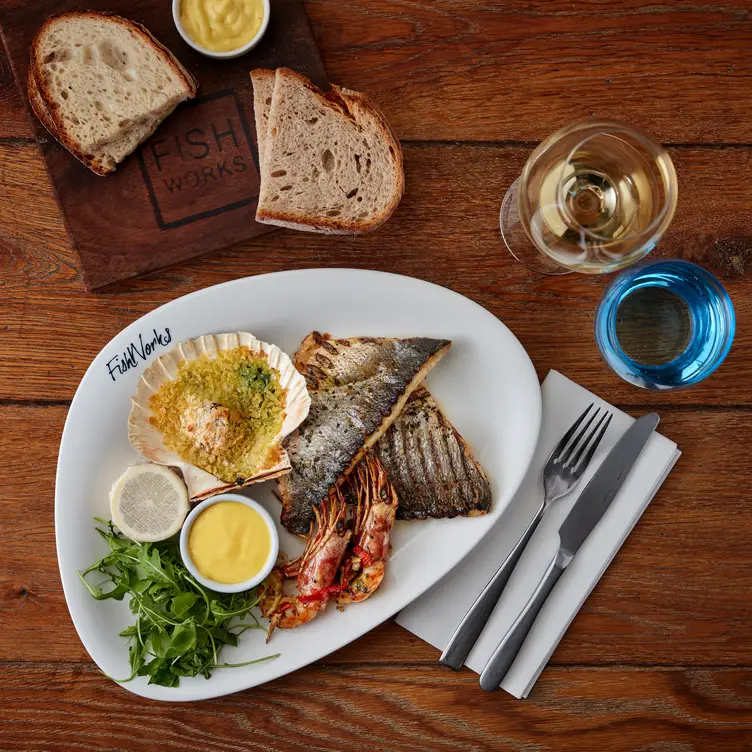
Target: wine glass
594,197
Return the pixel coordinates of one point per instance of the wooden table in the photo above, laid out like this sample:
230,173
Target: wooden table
660,657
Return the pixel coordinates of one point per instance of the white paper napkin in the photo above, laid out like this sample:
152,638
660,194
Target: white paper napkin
434,616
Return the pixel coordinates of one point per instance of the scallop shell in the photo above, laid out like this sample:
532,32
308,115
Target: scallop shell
147,440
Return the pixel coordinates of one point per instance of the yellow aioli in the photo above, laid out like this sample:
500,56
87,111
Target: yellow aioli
221,25
229,542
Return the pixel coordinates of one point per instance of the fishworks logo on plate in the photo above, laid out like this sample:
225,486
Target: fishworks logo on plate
137,352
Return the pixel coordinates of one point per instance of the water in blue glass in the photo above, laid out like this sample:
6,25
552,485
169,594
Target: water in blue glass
664,324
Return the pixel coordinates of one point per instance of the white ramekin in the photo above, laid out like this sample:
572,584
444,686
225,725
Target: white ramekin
222,587
221,55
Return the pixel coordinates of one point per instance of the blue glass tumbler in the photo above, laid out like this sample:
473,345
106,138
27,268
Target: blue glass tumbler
664,324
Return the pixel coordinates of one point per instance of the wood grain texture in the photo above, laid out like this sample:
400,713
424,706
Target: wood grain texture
14,122
491,70
666,599
445,231
660,657
330,707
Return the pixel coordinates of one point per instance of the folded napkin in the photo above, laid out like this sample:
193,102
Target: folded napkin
434,616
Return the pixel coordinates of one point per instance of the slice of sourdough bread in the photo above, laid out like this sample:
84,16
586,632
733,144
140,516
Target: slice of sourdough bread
263,89
331,162
102,84
105,159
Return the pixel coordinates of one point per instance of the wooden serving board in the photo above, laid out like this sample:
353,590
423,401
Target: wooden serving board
193,186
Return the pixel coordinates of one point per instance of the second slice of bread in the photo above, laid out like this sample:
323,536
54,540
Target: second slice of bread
330,162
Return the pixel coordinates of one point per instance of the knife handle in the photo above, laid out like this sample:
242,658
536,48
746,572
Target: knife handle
503,657
469,629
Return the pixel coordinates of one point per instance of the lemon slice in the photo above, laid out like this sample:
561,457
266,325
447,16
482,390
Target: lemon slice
149,502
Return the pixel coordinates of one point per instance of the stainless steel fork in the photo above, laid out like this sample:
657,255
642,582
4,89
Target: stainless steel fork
563,470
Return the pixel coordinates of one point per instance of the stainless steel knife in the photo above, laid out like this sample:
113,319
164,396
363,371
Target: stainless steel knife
591,505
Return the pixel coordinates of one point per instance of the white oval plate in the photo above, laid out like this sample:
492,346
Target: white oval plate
486,385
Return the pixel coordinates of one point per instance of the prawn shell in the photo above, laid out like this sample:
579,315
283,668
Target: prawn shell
147,440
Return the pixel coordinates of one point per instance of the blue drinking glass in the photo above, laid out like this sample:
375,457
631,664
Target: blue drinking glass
664,324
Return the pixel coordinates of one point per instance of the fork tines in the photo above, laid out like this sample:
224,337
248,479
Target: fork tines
574,451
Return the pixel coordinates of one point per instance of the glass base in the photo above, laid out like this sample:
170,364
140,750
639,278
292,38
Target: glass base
517,241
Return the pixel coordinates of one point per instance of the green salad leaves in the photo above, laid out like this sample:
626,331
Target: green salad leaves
180,626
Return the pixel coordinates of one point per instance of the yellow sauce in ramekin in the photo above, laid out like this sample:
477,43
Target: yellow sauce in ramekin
221,25
229,542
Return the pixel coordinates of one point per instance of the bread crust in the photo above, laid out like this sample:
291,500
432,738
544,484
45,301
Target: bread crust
259,73
38,106
346,103
47,110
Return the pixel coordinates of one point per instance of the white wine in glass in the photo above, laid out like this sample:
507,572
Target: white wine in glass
593,197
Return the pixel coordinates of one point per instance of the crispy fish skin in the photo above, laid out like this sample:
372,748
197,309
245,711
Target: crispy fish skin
357,387
430,465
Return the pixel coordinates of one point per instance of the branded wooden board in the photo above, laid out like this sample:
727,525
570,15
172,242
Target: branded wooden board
193,186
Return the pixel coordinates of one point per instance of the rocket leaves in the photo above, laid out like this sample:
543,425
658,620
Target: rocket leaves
180,626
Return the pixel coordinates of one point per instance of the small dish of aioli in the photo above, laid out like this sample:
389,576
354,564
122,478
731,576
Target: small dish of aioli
229,543
221,28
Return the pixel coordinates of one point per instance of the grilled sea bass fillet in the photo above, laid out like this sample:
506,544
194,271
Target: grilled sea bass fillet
357,387
430,465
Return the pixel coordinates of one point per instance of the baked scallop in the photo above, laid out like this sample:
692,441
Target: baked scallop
217,408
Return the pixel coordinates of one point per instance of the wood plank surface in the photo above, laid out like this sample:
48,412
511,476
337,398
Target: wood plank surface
389,709
449,215
13,119
485,70
651,607
660,657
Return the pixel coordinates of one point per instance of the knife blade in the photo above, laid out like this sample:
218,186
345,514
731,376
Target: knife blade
598,494
587,511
